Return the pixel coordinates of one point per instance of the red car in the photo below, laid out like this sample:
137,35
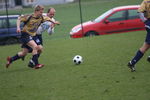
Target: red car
116,20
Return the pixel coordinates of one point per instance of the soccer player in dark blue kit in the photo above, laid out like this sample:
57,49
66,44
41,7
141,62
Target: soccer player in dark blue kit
144,13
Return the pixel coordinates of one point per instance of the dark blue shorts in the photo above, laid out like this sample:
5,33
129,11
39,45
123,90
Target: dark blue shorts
147,25
37,39
25,38
147,40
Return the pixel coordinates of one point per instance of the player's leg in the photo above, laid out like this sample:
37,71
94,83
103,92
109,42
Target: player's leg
140,52
31,62
26,47
40,47
148,41
40,50
138,56
16,57
39,41
35,57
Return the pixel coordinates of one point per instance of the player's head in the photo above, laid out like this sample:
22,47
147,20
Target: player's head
38,9
51,12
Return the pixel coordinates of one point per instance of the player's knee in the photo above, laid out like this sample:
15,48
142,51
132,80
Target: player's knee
40,49
35,48
144,48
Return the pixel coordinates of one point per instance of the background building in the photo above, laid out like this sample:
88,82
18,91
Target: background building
10,4
16,3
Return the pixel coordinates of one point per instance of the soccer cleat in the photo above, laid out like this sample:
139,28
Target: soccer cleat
148,58
23,58
131,67
31,64
8,62
39,66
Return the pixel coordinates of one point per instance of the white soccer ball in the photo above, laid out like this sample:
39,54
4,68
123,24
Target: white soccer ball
77,59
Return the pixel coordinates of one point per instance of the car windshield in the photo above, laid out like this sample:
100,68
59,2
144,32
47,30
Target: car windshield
98,19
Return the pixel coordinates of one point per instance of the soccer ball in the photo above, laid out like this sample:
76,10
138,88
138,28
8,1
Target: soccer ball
77,59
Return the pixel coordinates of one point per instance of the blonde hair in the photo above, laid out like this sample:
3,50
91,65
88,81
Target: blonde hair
38,8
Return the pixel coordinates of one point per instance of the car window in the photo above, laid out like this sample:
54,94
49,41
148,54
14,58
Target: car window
132,14
3,23
12,22
118,16
98,19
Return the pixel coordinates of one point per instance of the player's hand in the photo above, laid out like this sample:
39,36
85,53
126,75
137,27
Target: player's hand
18,30
57,22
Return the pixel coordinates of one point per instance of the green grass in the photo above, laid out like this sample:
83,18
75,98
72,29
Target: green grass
102,76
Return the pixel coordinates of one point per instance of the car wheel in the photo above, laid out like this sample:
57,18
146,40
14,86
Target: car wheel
11,40
91,33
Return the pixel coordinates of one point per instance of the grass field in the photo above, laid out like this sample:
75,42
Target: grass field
102,76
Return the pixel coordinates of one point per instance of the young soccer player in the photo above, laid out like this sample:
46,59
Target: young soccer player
49,26
144,13
27,34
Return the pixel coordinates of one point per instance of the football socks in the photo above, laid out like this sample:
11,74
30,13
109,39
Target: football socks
16,57
137,57
35,59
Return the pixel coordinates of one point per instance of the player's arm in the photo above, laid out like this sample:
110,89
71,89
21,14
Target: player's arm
57,22
22,18
50,29
49,19
44,26
142,11
18,25
142,17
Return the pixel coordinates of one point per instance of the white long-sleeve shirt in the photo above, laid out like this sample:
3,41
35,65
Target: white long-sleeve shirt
46,26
